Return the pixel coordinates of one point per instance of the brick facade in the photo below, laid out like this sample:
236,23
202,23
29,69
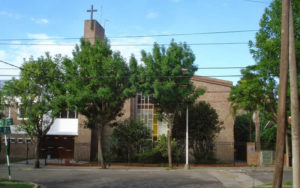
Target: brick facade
217,94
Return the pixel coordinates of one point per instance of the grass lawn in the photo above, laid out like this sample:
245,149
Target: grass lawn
5,183
287,184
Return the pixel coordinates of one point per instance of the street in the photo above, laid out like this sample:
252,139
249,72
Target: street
60,176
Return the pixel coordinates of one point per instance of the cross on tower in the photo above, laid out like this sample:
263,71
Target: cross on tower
92,10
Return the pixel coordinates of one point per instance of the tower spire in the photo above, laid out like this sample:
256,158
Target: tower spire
92,10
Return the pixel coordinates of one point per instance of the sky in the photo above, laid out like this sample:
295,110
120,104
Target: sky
47,22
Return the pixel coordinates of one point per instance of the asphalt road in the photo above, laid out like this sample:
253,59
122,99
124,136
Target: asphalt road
66,177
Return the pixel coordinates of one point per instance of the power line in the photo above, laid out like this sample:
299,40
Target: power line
130,76
148,76
2,68
192,44
221,67
196,67
135,36
185,34
9,75
10,64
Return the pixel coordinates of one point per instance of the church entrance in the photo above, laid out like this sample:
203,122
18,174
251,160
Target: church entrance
57,147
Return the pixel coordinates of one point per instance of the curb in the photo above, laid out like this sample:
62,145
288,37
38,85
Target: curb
146,165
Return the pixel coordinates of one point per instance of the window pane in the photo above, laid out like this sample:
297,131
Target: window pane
64,114
21,113
72,114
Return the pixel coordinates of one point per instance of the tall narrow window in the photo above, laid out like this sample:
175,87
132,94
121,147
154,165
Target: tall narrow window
21,111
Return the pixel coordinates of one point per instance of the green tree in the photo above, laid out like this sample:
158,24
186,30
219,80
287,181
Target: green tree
2,105
266,47
258,88
37,93
241,128
255,92
266,52
268,138
98,83
203,127
129,138
165,78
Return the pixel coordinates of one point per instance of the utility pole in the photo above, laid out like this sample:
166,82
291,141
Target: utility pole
281,116
294,102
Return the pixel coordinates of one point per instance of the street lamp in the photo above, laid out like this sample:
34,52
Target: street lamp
186,166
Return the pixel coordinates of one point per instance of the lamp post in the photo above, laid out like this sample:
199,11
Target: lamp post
187,166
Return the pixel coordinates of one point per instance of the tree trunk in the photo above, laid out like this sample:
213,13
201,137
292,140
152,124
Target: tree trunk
287,150
100,152
170,127
37,152
257,130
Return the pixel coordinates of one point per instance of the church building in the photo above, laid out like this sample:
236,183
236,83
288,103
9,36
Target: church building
69,139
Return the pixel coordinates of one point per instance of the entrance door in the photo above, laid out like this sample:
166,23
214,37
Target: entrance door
59,147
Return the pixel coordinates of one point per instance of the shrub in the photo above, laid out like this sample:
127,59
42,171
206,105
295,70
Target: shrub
159,153
129,138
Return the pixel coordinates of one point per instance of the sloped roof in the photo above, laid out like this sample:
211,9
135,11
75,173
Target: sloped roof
212,81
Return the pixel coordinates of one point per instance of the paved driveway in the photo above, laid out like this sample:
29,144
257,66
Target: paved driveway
140,177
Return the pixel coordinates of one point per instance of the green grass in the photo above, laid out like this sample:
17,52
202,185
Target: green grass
5,183
287,184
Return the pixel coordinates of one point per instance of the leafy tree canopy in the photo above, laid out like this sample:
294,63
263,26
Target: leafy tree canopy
266,48
37,92
203,126
254,92
257,89
166,76
98,81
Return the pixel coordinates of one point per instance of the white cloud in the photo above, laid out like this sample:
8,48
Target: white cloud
40,20
123,46
17,53
10,15
19,16
2,54
152,15
38,36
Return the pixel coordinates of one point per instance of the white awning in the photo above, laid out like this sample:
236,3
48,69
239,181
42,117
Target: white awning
61,126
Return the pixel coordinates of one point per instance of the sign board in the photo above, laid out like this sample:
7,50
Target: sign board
6,122
9,121
5,125
2,122
5,130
